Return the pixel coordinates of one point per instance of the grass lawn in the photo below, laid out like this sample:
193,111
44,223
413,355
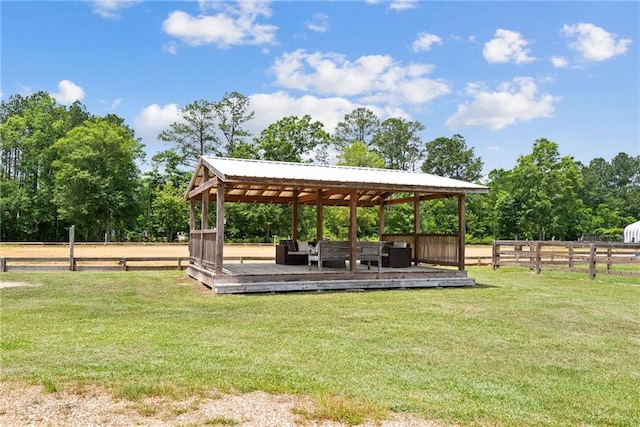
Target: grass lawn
520,349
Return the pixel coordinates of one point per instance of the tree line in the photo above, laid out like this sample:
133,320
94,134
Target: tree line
63,166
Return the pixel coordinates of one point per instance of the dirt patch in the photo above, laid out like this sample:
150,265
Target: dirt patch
14,284
23,404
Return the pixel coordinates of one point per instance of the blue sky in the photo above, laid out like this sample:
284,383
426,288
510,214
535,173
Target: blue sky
502,74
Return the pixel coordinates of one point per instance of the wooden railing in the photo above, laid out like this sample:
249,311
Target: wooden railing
587,257
440,249
202,247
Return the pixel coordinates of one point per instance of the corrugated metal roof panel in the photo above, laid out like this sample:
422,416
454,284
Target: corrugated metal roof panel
238,169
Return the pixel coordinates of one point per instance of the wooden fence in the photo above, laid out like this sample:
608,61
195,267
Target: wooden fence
589,257
17,264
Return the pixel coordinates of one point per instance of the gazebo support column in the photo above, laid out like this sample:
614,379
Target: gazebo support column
416,226
204,219
192,214
294,216
381,220
461,232
353,231
219,227
319,217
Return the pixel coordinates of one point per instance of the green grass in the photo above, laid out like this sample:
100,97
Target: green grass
520,349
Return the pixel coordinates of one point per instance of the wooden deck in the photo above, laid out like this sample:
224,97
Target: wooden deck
271,277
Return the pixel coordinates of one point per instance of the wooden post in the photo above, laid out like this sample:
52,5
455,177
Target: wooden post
571,255
72,238
204,211
381,220
416,226
592,261
192,215
609,257
219,226
461,232
319,216
532,256
294,215
495,259
538,262
353,230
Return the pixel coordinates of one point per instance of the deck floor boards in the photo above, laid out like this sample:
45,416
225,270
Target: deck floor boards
271,277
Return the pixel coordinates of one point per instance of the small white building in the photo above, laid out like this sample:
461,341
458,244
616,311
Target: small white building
632,233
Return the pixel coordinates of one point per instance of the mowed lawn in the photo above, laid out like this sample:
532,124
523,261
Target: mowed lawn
519,349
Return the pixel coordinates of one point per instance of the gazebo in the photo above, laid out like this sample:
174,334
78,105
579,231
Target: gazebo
226,180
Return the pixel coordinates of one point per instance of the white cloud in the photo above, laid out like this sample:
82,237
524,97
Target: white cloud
425,41
373,78
234,25
68,92
403,4
319,23
514,101
595,43
111,8
154,119
559,61
171,48
271,107
507,46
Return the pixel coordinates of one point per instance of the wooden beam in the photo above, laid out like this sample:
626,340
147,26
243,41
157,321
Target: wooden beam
208,183
319,216
353,231
461,232
219,228
294,216
412,198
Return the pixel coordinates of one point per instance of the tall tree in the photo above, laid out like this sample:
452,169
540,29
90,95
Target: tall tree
232,112
29,127
96,176
398,142
169,212
450,157
546,187
195,134
357,154
359,125
291,139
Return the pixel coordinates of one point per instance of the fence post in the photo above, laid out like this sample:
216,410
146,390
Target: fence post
496,255
592,261
609,257
538,261
571,255
3,264
72,237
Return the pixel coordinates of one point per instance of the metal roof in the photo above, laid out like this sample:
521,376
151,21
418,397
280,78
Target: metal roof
277,182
